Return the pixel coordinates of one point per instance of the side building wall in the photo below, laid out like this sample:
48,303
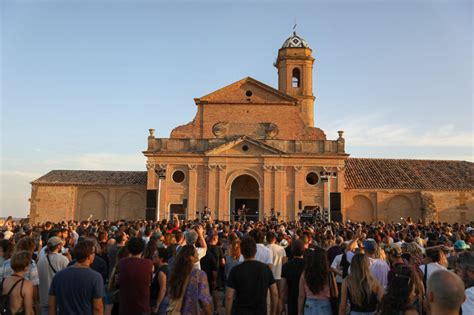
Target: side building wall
391,206
72,202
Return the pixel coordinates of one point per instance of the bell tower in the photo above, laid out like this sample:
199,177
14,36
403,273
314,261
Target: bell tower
295,74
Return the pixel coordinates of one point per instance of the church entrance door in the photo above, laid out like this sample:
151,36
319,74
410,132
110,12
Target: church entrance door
244,191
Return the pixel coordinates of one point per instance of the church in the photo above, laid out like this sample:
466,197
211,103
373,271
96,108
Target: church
254,146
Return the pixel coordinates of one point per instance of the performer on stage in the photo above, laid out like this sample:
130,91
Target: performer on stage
242,213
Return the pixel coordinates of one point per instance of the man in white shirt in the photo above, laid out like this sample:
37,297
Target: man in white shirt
48,266
279,256
264,254
378,267
434,256
465,270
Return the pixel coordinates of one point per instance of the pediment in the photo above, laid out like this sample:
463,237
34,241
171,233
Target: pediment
245,91
245,146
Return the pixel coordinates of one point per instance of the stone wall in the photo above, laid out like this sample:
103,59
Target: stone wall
52,203
390,206
58,203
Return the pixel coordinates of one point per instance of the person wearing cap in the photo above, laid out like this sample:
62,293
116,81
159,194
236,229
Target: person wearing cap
394,253
378,267
191,237
48,265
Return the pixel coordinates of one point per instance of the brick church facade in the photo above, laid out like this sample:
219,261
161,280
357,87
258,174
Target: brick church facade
252,144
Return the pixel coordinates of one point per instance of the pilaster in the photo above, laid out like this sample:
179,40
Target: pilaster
267,187
298,180
211,190
223,208
192,190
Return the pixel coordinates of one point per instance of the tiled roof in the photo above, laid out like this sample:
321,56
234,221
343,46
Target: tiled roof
363,173
92,178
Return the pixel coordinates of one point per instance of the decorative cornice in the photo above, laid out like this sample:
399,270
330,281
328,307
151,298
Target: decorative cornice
192,167
212,167
297,168
267,168
221,167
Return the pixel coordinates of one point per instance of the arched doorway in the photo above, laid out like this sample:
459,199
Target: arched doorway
245,191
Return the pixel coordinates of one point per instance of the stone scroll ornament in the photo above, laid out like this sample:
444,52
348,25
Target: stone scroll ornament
220,129
271,130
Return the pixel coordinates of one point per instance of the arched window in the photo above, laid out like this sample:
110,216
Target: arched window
295,80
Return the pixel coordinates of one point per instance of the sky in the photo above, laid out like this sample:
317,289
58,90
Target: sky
81,82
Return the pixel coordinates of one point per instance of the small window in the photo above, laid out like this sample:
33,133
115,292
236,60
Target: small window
245,148
248,93
178,176
295,80
312,178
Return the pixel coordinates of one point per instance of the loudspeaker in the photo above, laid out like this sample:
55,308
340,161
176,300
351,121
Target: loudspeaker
335,199
300,204
185,203
150,212
151,198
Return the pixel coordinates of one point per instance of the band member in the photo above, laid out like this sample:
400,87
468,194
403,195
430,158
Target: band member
206,214
242,212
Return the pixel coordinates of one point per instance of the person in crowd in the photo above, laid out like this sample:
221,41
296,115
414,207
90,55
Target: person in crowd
113,286
263,254
401,297
217,252
135,279
290,279
115,244
233,254
77,289
6,250
248,284
16,288
48,266
465,270
396,260
378,267
158,291
360,288
314,292
188,289
191,237
210,266
445,293
433,258
278,257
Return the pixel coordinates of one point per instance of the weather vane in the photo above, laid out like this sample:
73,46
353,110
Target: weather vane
294,26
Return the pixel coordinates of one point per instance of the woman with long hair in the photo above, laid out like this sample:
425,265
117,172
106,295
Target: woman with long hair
188,289
401,297
233,255
360,288
316,284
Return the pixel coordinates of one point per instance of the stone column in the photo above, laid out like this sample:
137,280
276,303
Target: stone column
298,181
267,189
211,191
192,191
278,205
223,208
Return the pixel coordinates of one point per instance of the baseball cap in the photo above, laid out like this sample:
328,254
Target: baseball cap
469,229
370,245
394,250
461,245
191,237
54,241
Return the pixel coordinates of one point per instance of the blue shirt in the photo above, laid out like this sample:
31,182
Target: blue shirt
75,289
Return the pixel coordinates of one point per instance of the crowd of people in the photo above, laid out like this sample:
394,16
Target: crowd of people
236,268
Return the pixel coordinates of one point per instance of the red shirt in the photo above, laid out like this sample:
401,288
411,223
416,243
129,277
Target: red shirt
135,276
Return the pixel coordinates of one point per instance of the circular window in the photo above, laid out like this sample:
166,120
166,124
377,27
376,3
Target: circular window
245,147
178,176
248,93
312,178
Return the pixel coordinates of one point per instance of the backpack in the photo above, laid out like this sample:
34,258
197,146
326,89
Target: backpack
5,298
